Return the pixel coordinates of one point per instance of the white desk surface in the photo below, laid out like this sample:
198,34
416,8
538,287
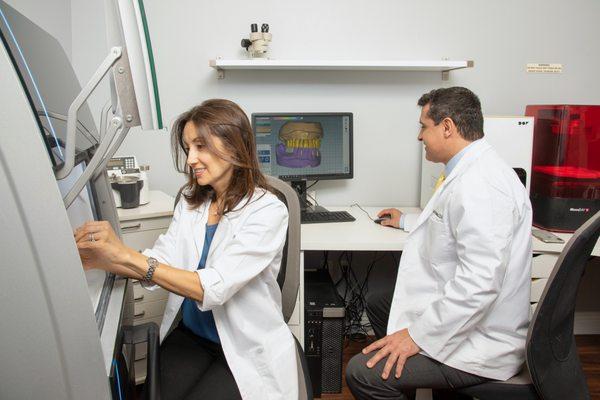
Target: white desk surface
160,205
365,235
360,235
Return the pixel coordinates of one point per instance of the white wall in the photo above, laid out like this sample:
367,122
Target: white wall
54,16
500,36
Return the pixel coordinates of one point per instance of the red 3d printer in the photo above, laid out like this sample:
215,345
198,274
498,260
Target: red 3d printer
565,171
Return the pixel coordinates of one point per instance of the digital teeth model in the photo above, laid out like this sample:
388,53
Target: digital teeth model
299,144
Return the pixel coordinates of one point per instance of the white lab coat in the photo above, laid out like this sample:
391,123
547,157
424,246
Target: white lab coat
464,277
240,287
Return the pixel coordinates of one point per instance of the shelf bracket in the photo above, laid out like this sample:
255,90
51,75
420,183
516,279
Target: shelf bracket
446,73
220,73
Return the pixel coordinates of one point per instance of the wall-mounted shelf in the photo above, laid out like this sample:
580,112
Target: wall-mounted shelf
443,66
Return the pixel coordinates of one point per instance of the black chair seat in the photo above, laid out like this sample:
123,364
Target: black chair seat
519,387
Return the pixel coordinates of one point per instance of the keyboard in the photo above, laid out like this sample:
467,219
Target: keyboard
325,216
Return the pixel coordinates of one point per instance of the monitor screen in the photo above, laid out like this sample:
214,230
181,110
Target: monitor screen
304,146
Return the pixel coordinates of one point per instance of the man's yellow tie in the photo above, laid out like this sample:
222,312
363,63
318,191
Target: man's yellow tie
439,182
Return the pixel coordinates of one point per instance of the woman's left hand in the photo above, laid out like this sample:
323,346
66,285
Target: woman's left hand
99,246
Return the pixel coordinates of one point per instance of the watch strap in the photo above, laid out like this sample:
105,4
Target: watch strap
152,265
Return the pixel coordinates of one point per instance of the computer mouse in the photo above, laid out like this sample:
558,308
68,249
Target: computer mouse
382,218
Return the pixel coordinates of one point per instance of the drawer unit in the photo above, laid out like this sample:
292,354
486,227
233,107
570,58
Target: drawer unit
543,265
144,295
145,224
141,234
541,269
150,309
140,227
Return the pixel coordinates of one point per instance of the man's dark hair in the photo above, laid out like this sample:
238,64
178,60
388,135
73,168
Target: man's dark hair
460,105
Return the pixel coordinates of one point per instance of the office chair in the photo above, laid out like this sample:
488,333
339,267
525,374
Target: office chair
289,273
289,283
554,370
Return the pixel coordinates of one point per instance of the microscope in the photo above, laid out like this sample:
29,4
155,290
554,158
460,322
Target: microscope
257,45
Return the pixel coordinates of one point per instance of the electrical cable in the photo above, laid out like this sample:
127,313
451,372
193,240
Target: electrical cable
316,203
312,184
354,295
363,210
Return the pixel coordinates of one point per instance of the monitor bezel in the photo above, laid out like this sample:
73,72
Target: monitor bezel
314,177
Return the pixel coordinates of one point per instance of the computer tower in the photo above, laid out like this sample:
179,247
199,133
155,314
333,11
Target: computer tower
324,332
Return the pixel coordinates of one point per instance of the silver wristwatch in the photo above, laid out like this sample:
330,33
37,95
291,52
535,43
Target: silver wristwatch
152,265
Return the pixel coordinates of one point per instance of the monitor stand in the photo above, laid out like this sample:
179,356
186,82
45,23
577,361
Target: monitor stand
305,205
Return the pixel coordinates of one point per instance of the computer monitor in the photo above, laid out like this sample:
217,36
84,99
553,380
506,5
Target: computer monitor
298,147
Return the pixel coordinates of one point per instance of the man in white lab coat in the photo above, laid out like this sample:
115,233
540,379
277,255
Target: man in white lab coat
459,313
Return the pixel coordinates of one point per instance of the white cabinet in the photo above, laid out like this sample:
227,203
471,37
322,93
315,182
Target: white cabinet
541,268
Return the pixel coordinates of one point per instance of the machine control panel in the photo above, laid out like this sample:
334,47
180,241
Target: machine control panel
121,163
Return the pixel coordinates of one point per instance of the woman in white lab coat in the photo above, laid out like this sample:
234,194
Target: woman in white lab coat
219,259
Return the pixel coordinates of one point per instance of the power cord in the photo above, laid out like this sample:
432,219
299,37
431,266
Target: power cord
354,295
312,184
363,210
315,202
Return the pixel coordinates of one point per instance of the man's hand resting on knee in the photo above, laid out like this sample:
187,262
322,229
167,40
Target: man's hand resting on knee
398,346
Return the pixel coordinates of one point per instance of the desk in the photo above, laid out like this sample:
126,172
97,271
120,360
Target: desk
365,235
360,235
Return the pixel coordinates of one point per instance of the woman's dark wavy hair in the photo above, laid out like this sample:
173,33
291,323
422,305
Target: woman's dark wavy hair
227,121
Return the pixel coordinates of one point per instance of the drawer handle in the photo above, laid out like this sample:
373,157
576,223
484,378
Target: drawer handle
132,227
139,315
136,282
138,298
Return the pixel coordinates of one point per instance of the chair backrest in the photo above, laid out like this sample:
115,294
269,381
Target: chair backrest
551,351
289,273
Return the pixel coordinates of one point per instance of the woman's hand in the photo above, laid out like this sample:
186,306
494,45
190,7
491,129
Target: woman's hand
100,247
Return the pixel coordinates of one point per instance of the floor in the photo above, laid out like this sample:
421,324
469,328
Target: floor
589,353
